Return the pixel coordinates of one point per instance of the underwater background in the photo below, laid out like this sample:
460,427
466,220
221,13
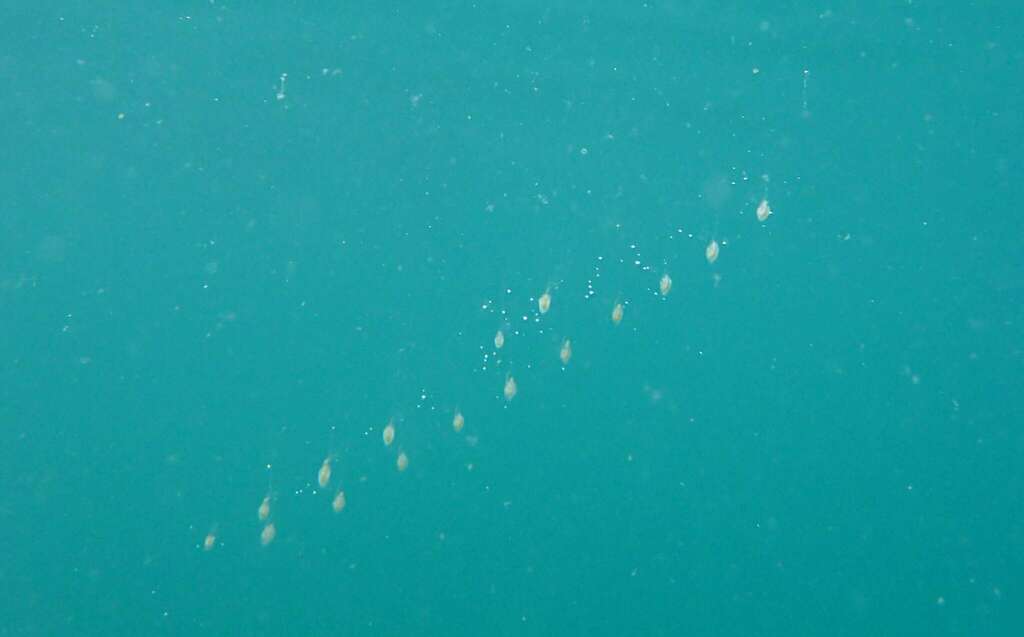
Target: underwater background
239,239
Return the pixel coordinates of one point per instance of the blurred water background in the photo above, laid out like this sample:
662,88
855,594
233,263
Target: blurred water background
238,237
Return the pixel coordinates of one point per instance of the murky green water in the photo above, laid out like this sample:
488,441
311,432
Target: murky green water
237,237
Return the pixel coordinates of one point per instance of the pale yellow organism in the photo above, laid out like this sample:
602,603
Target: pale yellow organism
566,352
510,388
339,502
665,285
458,421
209,541
763,210
402,462
711,252
544,302
617,313
389,433
264,510
268,534
499,340
324,475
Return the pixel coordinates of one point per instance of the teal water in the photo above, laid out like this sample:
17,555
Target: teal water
207,273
